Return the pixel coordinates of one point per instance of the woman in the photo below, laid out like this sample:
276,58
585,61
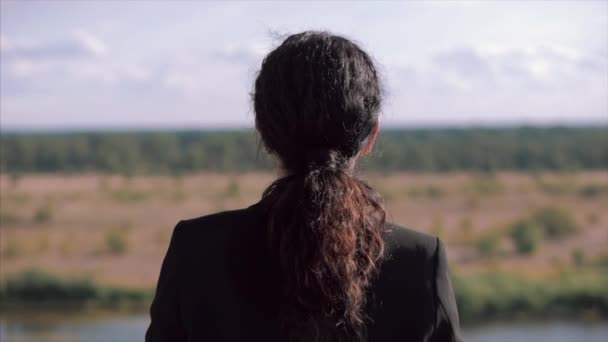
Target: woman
314,260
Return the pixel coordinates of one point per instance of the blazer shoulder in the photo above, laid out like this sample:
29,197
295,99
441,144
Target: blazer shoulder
400,240
402,237
213,228
215,220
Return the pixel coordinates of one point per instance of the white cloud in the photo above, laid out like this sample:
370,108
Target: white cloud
80,57
243,54
90,43
77,45
508,68
544,83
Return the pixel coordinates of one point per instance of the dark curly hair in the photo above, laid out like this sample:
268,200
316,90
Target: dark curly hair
316,101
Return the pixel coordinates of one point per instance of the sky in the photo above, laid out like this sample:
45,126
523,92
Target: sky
188,64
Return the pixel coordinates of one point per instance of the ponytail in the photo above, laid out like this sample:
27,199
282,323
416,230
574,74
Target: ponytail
325,234
316,101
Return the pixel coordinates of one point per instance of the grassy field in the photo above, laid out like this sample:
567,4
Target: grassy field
115,229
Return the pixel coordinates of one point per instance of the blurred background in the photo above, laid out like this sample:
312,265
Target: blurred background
118,119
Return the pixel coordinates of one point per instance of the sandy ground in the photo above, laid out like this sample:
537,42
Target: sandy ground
66,223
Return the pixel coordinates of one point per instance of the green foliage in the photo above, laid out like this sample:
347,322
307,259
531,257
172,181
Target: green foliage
116,241
490,296
527,236
593,190
482,149
578,257
602,262
43,214
38,288
480,297
555,222
488,245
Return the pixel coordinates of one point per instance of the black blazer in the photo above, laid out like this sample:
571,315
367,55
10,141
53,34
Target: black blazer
213,285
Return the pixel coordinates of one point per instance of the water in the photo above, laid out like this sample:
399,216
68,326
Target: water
539,332
128,328
68,328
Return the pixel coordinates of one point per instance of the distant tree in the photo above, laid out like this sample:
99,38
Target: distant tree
434,150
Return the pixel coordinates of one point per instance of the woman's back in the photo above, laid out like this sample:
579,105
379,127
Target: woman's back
314,260
217,284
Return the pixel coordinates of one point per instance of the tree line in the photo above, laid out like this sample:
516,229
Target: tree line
436,150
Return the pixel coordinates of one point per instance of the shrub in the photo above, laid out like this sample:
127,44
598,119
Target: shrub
42,215
492,295
116,241
602,262
488,245
593,190
527,236
554,222
578,257
38,286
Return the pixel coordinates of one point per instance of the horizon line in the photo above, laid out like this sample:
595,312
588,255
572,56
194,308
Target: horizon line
230,128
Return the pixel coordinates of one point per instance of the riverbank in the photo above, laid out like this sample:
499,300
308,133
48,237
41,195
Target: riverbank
501,296
42,291
481,297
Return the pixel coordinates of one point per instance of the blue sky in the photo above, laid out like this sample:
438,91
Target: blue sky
143,64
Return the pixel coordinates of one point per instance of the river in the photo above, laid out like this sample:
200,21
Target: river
129,328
